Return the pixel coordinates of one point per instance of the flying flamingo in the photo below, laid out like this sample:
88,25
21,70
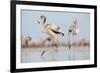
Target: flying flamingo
74,30
51,29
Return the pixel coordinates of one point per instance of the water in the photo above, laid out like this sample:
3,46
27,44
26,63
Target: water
29,55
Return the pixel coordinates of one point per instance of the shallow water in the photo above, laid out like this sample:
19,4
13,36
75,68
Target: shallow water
29,55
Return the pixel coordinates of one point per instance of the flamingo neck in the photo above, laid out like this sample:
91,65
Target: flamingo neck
43,29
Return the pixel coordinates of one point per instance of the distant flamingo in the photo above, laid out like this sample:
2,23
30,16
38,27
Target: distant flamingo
51,29
25,41
28,40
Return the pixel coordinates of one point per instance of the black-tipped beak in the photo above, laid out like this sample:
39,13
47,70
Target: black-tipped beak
70,30
62,34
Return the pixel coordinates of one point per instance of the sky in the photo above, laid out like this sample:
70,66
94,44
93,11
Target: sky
30,26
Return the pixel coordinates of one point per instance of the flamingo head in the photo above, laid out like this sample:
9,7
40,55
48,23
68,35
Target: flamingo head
75,20
42,19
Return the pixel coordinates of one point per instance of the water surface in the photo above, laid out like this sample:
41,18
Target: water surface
29,55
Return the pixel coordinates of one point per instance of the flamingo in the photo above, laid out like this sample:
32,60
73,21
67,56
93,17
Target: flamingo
51,29
74,30
25,41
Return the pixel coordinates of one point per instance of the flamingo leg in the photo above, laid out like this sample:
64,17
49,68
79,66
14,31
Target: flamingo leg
43,53
69,43
48,39
69,46
54,52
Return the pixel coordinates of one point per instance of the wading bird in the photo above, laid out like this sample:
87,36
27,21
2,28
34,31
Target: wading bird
25,40
74,30
52,30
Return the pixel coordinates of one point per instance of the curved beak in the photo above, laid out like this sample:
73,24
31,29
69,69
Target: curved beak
61,32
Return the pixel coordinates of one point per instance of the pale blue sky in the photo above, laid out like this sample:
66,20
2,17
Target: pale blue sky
30,26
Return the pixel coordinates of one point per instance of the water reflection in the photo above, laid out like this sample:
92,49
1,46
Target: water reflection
29,55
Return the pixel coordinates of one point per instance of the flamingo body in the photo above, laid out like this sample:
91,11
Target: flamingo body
51,29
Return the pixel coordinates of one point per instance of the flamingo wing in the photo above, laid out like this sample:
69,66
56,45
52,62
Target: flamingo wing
53,27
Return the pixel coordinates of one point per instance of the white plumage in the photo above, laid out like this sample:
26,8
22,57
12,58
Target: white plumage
74,29
51,29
